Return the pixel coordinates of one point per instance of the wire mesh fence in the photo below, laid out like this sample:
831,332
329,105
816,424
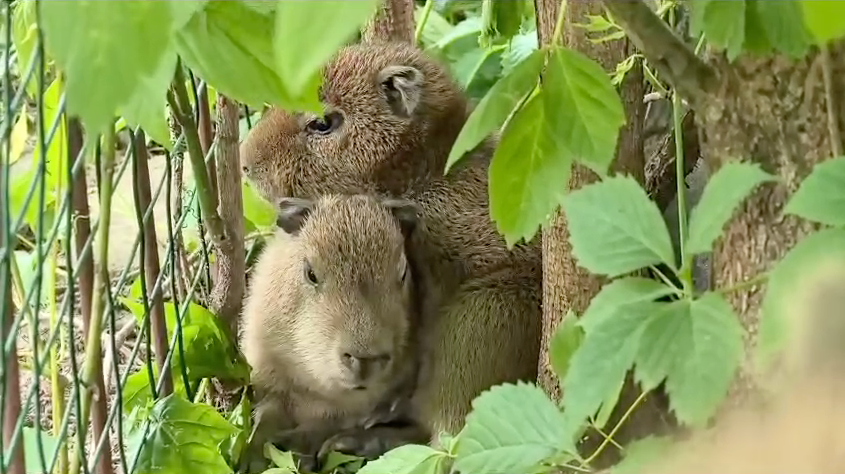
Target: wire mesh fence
105,274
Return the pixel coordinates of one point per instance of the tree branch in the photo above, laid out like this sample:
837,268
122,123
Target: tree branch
675,61
393,21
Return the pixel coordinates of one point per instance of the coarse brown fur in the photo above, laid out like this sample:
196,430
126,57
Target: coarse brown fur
395,116
337,281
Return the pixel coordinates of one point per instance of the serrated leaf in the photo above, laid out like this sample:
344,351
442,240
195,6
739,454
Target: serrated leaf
601,362
496,106
564,342
699,381
511,428
642,455
784,26
821,195
664,343
519,48
243,36
724,25
407,459
615,228
281,459
183,437
105,48
582,106
724,192
756,38
618,295
824,19
528,174
786,280
301,50
146,107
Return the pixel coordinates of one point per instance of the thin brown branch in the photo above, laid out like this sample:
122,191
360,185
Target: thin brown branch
82,232
181,270
177,97
227,294
831,102
667,53
152,267
393,21
12,393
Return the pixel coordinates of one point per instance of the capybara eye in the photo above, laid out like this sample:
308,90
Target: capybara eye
326,124
310,275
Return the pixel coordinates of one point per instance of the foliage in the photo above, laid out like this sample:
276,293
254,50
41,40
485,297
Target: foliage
126,54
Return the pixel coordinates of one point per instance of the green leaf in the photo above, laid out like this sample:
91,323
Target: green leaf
184,437
407,459
511,428
335,459
664,343
583,108
146,107
243,36
105,48
240,418
724,25
615,228
32,459
824,19
56,149
724,192
24,35
519,49
642,454
492,111
528,174
617,295
282,459
301,49
184,10
699,381
599,365
564,342
257,209
787,281
784,27
821,196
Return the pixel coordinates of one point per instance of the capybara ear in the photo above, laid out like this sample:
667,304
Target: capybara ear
406,212
292,213
403,86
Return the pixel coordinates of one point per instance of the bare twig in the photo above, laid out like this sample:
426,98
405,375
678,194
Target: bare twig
152,267
676,62
119,339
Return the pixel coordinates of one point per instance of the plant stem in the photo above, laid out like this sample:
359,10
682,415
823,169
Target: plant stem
93,352
757,280
558,31
56,388
680,180
179,103
429,4
835,133
615,428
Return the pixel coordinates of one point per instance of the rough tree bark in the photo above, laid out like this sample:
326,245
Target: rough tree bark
769,110
567,286
394,21
227,295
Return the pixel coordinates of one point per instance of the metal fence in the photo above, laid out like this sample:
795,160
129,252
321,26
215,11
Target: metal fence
102,242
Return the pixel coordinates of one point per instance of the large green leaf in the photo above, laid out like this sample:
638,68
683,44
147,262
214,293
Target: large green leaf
582,107
563,344
642,455
788,281
243,36
528,174
511,428
598,368
302,49
615,228
726,189
784,26
184,437
494,109
821,196
105,48
617,295
146,107
665,342
724,24
824,19
699,380
407,459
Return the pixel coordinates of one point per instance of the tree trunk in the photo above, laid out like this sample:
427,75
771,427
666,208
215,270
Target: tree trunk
567,286
393,21
772,111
